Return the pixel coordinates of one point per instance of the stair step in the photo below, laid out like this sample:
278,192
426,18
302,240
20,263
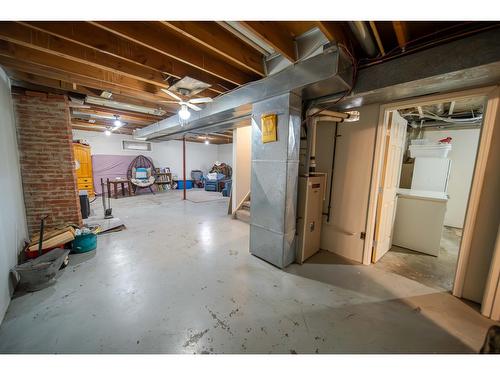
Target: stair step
243,215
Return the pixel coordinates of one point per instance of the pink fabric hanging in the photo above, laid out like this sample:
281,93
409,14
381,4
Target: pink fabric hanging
109,166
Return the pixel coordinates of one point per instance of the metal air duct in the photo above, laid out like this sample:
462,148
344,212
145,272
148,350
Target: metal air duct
323,74
363,36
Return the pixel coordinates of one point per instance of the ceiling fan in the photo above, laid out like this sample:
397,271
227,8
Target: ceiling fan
184,113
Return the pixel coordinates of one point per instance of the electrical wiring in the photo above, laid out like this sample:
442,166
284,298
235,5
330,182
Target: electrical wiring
434,116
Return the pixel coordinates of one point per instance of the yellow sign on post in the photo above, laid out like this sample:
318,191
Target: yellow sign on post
269,128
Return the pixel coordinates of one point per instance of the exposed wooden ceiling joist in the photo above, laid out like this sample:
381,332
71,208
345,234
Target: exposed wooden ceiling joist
22,53
213,36
274,35
334,32
58,74
124,116
401,30
40,83
103,123
377,37
28,37
90,35
97,128
176,46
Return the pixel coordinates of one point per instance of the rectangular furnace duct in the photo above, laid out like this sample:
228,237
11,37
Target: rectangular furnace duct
275,171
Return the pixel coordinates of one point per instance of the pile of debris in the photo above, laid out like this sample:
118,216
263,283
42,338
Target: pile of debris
51,240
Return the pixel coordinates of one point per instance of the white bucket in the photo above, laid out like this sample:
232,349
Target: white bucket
430,151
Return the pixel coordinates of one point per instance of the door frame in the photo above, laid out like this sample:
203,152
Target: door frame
490,94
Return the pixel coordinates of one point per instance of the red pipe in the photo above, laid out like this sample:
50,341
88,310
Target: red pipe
184,165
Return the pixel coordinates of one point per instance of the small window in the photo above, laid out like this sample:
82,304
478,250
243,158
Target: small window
136,146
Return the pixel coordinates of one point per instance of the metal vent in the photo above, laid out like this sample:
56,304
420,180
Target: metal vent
188,86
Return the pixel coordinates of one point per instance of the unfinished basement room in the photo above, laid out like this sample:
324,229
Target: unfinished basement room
249,187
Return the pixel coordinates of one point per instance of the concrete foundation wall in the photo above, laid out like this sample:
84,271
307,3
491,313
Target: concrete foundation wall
13,231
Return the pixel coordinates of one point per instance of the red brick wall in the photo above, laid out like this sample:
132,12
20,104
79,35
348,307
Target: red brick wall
46,158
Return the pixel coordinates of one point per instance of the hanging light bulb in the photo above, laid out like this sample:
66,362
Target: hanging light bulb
107,132
117,123
184,113
207,142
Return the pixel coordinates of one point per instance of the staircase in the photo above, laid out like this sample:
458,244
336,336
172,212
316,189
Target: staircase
243,213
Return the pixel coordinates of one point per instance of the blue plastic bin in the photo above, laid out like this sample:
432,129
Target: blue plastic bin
180,184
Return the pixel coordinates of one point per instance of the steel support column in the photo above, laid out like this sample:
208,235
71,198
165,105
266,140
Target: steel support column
275,171
184,166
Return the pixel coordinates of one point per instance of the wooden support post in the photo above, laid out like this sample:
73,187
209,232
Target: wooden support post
184,165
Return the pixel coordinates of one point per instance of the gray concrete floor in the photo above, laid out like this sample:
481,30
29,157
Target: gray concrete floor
180,279
436,272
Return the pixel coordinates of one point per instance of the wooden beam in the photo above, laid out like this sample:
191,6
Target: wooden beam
23,53
334,32
78,79
37,82
101,123
89,35
275,36
131,118
98,128
85,126
138,115
170,44
216,38
377,37
401,32
32,38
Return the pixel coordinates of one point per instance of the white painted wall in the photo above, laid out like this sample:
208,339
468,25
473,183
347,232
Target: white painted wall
351,180
225,153
164,154
242,163
463,156
13,231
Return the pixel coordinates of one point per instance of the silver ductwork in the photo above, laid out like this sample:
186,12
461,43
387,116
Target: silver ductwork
363,36
275,172
323,74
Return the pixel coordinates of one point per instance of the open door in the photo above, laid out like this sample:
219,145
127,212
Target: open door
386,206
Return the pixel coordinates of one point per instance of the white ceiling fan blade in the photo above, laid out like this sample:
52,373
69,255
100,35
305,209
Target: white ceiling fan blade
169,101
171,94
200,100
192,106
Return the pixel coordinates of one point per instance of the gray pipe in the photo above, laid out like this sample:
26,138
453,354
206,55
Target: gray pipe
362,34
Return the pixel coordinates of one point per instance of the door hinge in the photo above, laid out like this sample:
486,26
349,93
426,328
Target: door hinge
362,235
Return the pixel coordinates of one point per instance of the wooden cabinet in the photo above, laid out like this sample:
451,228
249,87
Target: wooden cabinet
84,171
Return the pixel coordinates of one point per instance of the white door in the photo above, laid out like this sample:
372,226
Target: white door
386,206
